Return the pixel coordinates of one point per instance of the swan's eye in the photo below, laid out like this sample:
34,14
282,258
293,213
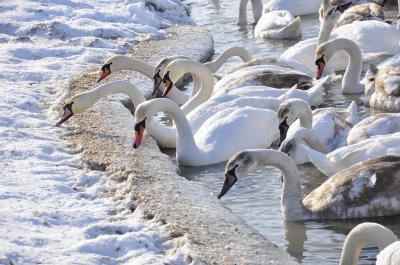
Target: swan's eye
371,79
68,106
106,66
157,75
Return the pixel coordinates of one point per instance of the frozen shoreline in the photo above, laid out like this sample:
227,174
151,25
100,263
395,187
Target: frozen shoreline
193,214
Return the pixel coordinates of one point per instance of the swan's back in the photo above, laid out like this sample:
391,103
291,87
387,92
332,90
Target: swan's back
389,255
366,189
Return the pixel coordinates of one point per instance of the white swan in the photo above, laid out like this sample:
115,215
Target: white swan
346,156
297,8
279,24
351,78
383,90
330,125
376,124
220,136
367,189
375,39
121,62
165,136
373,233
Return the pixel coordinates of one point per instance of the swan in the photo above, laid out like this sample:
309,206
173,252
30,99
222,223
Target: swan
374,233
165,136
279,24
297,8
346,156
330,125
219,137
375,39
383,90
122,62
367,11
351,78
367,189
376,124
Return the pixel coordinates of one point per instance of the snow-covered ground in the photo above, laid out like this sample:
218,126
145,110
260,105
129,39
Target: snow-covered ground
53,209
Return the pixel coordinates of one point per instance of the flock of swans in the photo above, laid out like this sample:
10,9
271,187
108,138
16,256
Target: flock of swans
267,103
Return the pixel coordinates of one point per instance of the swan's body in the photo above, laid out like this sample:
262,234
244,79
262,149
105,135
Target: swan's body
367,189
329,125
264,75
351,78
297,8
279,24
376,124
367,11
383,92
221,136
374,233
346,156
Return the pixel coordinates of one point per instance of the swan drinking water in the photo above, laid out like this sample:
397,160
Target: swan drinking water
219,137
367,189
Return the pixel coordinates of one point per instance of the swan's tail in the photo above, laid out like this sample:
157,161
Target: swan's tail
321,161
353,117
292,30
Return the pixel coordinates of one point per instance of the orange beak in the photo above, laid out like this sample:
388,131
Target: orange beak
137,140
168,86
320,69
105,73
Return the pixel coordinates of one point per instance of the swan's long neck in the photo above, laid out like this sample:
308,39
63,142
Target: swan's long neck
256,8
366,232
305,115
351,78
127,63
291,201
207,84
215,65
325,31
125,87
309,137
320,160
184,137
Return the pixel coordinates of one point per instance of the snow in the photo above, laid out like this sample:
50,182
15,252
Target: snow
55,210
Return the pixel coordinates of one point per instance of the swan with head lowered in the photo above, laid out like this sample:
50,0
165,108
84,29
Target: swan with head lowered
375,39
330,125
346,156
367,189
376,124
122,62
382,89
374,233
218,138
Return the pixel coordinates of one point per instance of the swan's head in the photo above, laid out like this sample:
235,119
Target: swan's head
74,105
140,126
160,69
288,111
292,147
114,64
239,165
173,72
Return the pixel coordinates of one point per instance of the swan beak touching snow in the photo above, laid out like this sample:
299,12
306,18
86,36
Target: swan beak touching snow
320,63
157,82
168,84
105,69
230,179
139,130
283,129
67,114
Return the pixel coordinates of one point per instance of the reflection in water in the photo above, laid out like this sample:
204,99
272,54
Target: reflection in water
256,197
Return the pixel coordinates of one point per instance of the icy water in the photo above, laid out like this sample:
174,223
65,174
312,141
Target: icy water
256,198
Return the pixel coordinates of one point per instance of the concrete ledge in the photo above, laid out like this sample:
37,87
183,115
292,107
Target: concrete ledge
150,180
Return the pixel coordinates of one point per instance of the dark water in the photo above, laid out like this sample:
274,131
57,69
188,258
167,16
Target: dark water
256,198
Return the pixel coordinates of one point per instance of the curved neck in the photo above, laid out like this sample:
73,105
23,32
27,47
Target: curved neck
125,87
121,62
184,135
325,31
351,77
241,52
291,200
202,73
366,232
304,113
309,137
